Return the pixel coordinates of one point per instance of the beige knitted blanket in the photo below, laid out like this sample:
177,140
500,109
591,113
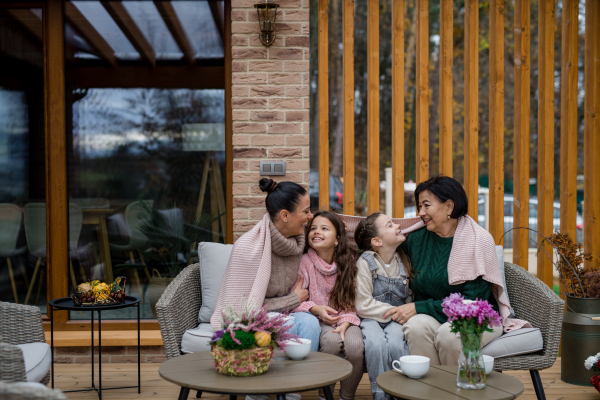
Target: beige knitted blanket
248,270
473,254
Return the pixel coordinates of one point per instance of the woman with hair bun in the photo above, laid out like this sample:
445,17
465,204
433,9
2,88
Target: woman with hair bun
264,262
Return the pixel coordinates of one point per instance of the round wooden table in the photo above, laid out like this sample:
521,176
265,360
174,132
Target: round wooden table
440,383
197,371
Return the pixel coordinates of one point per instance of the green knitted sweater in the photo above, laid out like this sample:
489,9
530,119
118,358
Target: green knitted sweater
429,254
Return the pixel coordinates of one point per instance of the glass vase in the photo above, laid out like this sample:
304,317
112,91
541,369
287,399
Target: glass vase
471,368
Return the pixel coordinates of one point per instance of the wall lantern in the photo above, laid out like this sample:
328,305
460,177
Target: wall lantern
267,12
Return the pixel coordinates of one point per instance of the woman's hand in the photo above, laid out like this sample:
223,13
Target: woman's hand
301,293
402,313
342,329
323,312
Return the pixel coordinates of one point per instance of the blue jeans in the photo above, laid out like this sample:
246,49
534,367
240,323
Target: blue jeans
306,326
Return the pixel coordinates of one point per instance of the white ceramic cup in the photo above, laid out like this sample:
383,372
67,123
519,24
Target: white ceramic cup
412,366
489,364
297,350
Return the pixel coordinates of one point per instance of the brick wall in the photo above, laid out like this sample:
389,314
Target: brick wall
270,103
110,354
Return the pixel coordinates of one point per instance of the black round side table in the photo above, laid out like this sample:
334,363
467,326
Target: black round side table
66,303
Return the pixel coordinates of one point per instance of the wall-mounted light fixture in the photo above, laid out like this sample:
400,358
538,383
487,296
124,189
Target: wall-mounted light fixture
267,12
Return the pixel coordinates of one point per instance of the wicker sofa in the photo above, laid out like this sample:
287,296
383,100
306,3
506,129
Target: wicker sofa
21,330
533,301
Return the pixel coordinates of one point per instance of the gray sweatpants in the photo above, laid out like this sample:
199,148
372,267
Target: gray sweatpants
384,343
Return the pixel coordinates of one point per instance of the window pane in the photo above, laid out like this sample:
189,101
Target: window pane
22,156
146,164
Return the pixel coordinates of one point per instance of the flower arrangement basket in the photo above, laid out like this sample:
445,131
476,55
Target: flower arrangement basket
246,362
96,293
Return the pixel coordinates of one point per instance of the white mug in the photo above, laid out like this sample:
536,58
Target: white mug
489,364
412,366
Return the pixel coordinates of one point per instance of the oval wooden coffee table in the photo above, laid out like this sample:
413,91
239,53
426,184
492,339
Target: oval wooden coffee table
440,383
197,371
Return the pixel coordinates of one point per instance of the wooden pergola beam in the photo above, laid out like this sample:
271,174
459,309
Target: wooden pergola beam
397,108
29,20
348,114
217,13
373,106
124,21
167,12
422,83
89,33
446,59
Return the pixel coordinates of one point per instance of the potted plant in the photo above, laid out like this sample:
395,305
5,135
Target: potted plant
581,322
470,319
172,240
244,345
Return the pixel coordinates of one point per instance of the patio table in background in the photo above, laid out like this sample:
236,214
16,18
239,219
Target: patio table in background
197,371
440,383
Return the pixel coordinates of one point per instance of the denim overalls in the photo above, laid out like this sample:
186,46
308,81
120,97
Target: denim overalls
384,342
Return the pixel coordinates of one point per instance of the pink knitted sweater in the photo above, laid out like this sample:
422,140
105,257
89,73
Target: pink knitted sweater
319,278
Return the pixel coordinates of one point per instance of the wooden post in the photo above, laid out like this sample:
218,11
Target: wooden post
545,181
496,129
373,105
471,155
398,108
348,67
446,57
422,82
323,104
591,169
57,228
568,120
522,139
228,128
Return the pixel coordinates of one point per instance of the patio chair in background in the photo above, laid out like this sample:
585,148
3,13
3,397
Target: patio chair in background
10,226
35,231
135,214
24,354
28,391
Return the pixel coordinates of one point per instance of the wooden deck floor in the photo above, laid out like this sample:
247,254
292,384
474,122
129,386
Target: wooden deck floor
77,376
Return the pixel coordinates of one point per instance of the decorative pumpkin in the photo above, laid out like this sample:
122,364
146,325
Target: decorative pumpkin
263,339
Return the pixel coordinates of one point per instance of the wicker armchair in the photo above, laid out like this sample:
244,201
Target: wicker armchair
535,302
19,324
178,308
12,391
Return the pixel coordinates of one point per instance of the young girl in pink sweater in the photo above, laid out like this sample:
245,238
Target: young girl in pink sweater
328,270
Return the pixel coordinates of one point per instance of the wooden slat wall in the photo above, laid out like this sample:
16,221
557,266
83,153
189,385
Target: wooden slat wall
496,129
422,82
471,155
373,105
228,127
348,67
323,104
57,232
522,126
398,108
591,208
446,52
568,118
545,180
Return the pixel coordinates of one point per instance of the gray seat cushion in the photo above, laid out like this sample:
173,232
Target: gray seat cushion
521,341
37,358
213,259
197,339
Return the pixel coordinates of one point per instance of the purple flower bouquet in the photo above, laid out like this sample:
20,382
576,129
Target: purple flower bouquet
470,319
244,346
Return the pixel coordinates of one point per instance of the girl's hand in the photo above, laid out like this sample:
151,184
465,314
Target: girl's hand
342,329
323,312
301,293
402,313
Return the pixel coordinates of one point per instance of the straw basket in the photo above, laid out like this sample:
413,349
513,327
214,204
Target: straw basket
247,362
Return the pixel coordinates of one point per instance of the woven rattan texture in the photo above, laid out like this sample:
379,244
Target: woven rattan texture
535,302
19,324
10,391
178,308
